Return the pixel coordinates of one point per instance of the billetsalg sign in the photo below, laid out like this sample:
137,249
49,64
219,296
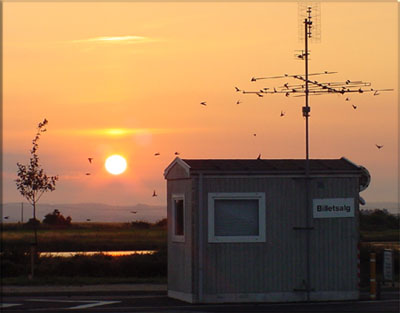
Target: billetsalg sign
333,207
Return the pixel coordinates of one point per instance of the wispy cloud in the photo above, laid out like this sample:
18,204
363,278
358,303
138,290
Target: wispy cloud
117,39
121,132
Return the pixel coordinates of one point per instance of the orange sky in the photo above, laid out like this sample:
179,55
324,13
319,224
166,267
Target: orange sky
144,68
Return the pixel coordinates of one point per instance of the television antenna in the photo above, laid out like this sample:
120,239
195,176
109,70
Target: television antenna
308,86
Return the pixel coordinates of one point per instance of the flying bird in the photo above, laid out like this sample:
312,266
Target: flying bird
354,106
133,212
376,93
6,217
347,99
287,94
254,135
87,174
88,220
154,194
157,154
237,89
282,113
90,160
203,103
238,102
258,94
378,146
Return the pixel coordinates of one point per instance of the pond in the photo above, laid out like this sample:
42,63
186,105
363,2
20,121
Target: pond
88,253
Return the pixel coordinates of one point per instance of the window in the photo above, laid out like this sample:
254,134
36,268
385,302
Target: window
178,218
236,217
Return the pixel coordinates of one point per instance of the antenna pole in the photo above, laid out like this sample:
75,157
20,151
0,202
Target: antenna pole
306,114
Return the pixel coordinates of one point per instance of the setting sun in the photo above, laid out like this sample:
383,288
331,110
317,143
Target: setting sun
115,164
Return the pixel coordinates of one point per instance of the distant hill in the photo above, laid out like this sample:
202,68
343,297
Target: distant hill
80,212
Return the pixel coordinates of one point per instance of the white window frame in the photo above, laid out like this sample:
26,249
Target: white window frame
260,196
178,238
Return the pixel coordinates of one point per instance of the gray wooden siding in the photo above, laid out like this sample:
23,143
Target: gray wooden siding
177,172
180,253
279,264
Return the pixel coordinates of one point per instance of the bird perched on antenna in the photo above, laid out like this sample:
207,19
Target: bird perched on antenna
176,153
379,146
237,89
90,160
154,194
282,113
354,106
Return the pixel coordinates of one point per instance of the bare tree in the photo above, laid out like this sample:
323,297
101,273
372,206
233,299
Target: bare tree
32,182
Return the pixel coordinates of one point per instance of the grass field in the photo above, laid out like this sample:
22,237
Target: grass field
86,237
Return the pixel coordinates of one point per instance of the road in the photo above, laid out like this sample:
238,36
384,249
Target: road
159,302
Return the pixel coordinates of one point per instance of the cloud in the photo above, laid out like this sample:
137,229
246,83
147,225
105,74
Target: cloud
120,132
129,39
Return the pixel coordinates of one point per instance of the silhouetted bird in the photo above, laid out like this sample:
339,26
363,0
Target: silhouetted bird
376,93
157,153
258,94
133,212
203,103
177,153
254,135
287,94
237,89
238,102
378,146
88,219
87,174
347,99
282,113
259,157
154,194
6,217
347,82
354,106
253,79
90,160
274,89
286,85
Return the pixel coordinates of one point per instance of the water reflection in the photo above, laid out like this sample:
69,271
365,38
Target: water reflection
88,253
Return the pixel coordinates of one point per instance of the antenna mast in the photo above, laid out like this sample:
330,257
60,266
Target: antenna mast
306,114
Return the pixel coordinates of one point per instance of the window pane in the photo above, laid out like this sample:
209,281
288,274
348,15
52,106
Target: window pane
178,217
236,217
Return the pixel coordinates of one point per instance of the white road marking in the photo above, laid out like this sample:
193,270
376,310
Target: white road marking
89,303
8,305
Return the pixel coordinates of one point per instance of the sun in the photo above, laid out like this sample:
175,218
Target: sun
115,164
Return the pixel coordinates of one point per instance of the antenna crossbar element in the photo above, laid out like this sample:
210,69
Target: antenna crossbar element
253,79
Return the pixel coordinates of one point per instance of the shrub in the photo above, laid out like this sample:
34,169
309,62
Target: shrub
140,225
57,219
